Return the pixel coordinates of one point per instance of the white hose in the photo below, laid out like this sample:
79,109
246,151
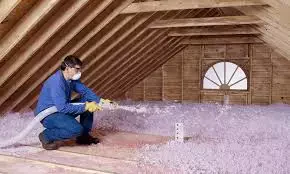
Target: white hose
30,126
36,120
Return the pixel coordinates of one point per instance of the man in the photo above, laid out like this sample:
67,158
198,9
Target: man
56,91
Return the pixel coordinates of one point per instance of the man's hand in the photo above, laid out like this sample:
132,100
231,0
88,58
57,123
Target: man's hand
92,107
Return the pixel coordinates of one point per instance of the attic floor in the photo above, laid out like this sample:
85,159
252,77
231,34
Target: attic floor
115,154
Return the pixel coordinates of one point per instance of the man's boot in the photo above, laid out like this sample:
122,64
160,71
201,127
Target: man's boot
45,144
87,140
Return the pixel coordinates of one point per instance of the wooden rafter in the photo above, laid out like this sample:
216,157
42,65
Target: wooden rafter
282,7
103,73
148,41
135,59
13,85
21,29
118,43
210,31
165,58
6,8
129,74
42,36
208,21
157,63
139,55
168,5
276,31
92,63
104,70
93,32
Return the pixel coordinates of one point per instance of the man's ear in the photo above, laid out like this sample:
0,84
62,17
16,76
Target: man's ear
66,68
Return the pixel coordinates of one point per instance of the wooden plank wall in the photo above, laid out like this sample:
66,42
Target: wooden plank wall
176,80
261,74
235,53
179,79
280,79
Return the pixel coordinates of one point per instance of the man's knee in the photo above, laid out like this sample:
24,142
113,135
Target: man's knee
77,131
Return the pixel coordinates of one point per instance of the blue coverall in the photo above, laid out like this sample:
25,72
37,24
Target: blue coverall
61,125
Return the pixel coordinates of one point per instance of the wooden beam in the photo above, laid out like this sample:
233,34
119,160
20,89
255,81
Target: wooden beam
220,40
15,84
168,5
21,29
39,39
93,32
211,31
7,6
208,21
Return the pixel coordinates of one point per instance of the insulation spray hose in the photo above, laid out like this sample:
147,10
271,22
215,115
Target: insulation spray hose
29,127
46,113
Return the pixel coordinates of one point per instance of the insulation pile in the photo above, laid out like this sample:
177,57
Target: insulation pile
220,139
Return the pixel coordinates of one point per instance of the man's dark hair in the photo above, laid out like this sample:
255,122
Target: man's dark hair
70,61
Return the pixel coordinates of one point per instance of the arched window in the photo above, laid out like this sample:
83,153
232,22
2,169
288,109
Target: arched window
225,75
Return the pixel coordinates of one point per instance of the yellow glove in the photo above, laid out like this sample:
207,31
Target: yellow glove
92,107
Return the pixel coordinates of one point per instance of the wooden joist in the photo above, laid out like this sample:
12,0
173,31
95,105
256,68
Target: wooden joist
208,21
168,5
210,31
220,40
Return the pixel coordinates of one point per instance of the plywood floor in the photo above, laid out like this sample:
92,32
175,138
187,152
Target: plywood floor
117,153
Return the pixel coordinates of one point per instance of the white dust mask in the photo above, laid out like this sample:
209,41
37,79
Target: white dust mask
77,76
